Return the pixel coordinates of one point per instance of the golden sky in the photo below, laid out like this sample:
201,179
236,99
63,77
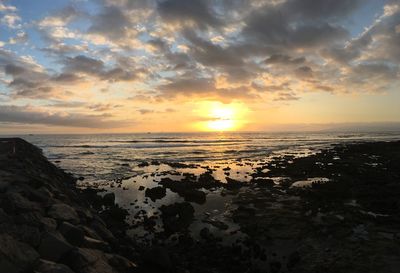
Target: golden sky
85,66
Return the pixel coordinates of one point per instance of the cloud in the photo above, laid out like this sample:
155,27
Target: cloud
11,20
24,115
198,12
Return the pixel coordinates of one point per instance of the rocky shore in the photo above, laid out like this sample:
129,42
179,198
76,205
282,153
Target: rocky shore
46,225
334,211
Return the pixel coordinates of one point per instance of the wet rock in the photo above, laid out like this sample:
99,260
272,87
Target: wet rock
143,164
293,259
121,264
46,266
4,184
158,258
232,184
141,188
195,196
15,256
19,202
265,182
71,233
206,234
84,260
48,224
89,242
53,246
63,212
155,193
177,217
109,199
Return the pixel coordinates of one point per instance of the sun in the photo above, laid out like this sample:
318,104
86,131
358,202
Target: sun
220,117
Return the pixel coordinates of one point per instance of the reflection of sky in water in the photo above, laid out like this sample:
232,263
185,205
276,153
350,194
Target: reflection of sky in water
103,158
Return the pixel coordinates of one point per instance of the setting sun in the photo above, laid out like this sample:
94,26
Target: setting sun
216,116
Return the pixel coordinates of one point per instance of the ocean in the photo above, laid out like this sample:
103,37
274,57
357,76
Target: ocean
104,157
128,165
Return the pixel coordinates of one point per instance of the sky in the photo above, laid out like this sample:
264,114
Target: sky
107,66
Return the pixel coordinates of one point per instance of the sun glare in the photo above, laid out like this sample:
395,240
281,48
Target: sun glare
221,117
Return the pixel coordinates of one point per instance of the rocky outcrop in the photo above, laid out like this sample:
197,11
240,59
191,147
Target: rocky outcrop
46,225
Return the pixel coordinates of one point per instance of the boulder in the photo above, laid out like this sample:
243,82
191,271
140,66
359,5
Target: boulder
177,217
15,256
109,199
63,212
155,193
195,196
158,258
51,267
121,264
85,260
89,242
71,233
53,246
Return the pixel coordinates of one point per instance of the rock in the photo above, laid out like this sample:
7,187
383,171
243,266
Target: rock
71,233
293,259
158,258
177,217
141,188
143,164
195,196
53,246
51,267
265,182
155,193
19,202
48,224
15,256
4,184
94,243
63,212
109,199
205,234
122,264
4,216
85,260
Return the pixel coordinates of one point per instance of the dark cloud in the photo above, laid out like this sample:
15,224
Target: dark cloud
145,111
19,114
199,12
284,59
97,68
111,22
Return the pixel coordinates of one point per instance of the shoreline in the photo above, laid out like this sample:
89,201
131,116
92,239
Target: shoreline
287,228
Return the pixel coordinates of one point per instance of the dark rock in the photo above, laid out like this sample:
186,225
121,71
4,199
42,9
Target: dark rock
195,196
16,257
121,264
4,184
51,267
84,260
48,224
109,199
155,193
89,242
206,234
53,246
19,202
71,233
177,217
143,164
293,259
141,188
158,258
63,212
